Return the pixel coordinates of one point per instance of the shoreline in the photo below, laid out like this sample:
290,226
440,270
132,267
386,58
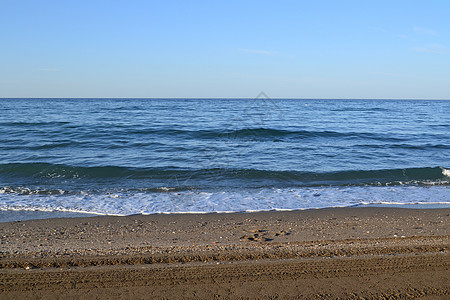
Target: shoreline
19,215
336,252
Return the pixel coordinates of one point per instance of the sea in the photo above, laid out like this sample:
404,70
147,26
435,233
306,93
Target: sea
83,157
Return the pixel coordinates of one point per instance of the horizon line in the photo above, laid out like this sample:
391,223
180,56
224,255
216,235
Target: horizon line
230,98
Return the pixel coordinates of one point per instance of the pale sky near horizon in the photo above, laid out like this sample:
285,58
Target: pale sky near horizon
225,49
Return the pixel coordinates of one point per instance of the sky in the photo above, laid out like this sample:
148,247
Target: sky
362,49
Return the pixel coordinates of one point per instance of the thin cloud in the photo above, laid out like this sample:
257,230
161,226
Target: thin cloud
434,48
261,52
425,31
406,38
49,69
402,36
387,74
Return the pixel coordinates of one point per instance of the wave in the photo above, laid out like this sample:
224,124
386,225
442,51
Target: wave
263,133
252,133
33,124
31,191
19,172
362,109
405,146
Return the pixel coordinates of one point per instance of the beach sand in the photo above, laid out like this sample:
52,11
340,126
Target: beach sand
348,253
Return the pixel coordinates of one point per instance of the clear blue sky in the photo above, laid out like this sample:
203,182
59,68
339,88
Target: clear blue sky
295,49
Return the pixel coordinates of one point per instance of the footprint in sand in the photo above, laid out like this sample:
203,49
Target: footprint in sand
260,235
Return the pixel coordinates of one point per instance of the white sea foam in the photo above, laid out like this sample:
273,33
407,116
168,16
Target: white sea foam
446,172
264,199
17,208
419,205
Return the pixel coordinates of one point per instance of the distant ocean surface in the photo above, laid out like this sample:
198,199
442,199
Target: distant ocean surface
131,156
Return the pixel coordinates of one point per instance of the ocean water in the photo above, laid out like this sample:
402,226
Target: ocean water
129,156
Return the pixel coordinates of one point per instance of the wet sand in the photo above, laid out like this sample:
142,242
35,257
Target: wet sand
328,253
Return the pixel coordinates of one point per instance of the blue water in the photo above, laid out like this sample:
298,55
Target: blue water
127,156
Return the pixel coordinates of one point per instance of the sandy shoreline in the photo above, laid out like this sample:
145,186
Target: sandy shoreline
339,252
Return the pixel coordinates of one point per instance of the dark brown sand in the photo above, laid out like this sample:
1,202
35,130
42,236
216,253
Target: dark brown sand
348,253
